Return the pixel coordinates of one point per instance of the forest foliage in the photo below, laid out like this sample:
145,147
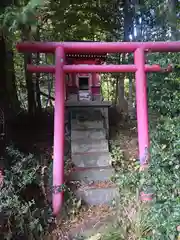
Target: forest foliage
102,20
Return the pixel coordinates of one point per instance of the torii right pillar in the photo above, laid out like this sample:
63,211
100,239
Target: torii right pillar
142,114
141,105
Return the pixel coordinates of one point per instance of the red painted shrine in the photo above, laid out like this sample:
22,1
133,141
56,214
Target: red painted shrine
83,86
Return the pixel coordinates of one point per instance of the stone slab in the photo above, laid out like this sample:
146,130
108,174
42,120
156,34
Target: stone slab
88,104
87,114
88,133
92,175
72,98
96,159
79,125
97,196
88,118
87,145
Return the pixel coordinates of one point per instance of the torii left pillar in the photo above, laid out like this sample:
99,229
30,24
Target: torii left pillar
58,161
141,104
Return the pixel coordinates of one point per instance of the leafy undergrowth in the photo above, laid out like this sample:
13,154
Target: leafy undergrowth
24,211
124,147
160,219
25,199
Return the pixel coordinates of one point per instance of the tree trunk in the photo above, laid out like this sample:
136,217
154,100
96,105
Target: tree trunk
128,29
138,38
128,20
11,82
9,104
3,82
38,92
29,83
172,17
8,93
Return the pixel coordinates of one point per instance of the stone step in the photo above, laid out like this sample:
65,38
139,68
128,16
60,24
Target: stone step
79,125
87,145
97,196
91,175
92,159
88,133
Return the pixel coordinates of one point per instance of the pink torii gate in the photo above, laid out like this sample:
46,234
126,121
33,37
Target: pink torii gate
60,49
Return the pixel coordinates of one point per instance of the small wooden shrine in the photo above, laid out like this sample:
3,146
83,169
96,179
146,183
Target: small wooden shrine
84,86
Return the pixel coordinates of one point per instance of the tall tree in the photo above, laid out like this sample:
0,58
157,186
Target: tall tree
172,19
